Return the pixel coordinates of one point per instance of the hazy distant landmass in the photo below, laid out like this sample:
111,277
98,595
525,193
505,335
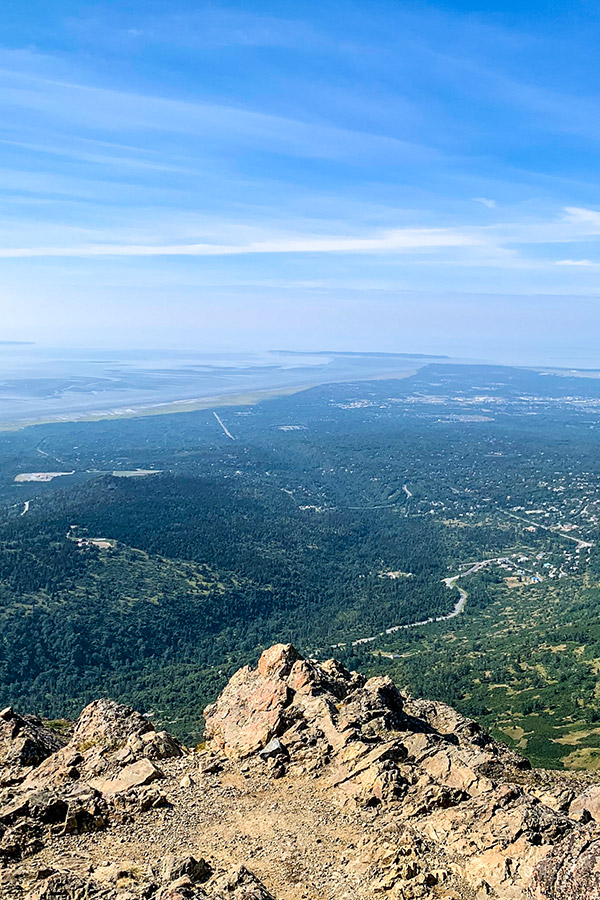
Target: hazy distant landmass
16,343
44,384
364,353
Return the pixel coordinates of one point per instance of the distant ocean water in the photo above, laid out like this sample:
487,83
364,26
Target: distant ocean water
44,383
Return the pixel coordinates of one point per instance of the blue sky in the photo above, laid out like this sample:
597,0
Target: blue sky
367,175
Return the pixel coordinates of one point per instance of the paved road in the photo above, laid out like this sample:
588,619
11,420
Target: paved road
458,606
223,426
581,544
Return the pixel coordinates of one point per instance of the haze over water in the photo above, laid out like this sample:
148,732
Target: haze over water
41,384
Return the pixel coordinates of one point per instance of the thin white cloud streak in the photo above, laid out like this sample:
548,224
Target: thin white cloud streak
123,162
494,245
588,218
114,111
578,263
399,240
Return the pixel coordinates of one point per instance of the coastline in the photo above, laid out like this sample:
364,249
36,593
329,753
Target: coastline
194,404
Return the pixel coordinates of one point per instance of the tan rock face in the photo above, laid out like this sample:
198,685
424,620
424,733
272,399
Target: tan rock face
24,743
588,800
248,713
571,871
326,784
278,661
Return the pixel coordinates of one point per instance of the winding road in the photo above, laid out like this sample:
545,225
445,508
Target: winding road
450,582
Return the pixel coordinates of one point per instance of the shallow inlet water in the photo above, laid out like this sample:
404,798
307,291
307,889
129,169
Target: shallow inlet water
48,384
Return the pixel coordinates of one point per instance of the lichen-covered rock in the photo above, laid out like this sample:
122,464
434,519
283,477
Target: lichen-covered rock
571,870
25,742
413,799
588,801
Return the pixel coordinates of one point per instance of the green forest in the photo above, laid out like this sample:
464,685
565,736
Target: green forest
331,516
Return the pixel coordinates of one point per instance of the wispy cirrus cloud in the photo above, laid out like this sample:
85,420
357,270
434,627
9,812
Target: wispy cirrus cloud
149,153
396,241
578,263
499,244
588,219
44,99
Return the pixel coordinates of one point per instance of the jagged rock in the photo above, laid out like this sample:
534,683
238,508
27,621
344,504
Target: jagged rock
182,879
412,799
22,839
109,725
172,868
183,889
101,772
240,884
86,811
274,748
588,800
571,871
558,799
24,743
66,886
443,772
107,738
278,661
247,714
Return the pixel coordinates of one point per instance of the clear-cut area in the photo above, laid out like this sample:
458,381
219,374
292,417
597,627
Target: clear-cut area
314,782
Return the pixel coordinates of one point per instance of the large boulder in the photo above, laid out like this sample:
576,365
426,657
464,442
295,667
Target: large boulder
284,691
571,870
25,742
104,773
588,802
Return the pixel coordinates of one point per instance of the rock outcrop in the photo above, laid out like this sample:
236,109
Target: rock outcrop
315,782
431,768
102,773
24,743
571,871
176,879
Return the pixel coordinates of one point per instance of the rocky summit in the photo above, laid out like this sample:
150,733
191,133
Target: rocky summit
314,782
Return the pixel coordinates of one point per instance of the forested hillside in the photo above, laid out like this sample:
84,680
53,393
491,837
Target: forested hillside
327,519
200,572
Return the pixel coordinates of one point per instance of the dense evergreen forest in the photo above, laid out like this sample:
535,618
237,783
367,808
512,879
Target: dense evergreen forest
331,516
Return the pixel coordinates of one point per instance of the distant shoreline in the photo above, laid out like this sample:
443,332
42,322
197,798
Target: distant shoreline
168,407
172,407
